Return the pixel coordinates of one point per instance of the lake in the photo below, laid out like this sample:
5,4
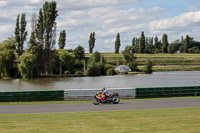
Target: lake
156,79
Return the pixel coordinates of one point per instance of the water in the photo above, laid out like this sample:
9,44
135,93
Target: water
157,79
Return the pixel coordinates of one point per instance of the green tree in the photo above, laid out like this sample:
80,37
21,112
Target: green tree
40,29
33,41
20,33
164,43
142,43
186,44
49,16
148,66
66,59
62,39
28,66
129,54
91,42
79,52
96,57
94,69
7,57
117,43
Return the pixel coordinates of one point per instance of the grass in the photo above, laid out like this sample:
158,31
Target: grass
112,58
185,120
70,102
176,68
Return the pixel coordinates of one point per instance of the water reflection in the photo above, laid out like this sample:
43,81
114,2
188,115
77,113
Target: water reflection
188,78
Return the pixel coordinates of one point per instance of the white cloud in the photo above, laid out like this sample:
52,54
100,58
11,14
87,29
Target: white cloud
104,17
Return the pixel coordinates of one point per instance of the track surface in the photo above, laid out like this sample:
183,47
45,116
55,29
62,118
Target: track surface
89,107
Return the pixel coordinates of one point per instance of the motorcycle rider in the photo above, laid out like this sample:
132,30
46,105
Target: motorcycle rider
105,94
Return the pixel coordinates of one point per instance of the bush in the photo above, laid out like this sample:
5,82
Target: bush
111,71
67,72
148,66
133,66
108,66
94,69
78,73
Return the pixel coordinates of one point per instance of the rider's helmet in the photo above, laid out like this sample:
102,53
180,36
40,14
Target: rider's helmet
103,89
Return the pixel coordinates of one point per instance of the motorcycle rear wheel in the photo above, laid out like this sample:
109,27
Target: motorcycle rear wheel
96,101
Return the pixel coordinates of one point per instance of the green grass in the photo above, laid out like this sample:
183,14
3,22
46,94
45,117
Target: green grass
141,121
156,58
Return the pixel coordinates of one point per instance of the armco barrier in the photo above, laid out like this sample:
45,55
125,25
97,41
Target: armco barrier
88,94
156,92
17,96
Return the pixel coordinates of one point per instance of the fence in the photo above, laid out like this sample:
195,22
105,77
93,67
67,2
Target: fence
52,95
155,92
87,94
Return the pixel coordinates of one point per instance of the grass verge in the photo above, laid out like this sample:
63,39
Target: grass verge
141,121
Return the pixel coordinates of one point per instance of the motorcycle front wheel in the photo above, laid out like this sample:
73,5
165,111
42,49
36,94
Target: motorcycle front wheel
115,100
96,101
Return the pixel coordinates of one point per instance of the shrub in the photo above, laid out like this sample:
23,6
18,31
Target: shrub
67,72
108,66
148,66
94,69
111,71
78,73
133,66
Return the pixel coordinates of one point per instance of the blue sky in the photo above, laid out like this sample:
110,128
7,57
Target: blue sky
106,18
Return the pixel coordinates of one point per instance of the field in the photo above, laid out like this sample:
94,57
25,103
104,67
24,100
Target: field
162,62
151,121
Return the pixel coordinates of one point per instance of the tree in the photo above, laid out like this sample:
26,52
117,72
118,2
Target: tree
66,60
62,39
28,67
33,42
79,52
49,16
164,43
129,54
142,43
148,66
91,42
94,69
40,29
7,57
20,33
186,44
96,57
117,43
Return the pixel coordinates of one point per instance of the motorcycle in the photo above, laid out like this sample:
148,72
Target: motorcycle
112,98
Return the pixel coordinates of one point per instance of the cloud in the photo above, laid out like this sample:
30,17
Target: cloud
104,17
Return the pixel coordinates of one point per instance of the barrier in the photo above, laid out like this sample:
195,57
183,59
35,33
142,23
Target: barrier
17,96
156,92
88,94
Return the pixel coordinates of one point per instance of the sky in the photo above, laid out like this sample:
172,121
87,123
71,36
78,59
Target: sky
106,18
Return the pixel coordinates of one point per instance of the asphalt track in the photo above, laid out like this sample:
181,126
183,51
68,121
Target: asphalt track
89,107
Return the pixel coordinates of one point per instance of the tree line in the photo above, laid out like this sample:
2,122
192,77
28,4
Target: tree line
152,45
41,57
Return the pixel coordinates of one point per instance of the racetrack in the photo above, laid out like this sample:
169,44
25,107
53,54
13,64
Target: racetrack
89,107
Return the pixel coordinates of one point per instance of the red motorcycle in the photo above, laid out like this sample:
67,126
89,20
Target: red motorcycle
112,98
